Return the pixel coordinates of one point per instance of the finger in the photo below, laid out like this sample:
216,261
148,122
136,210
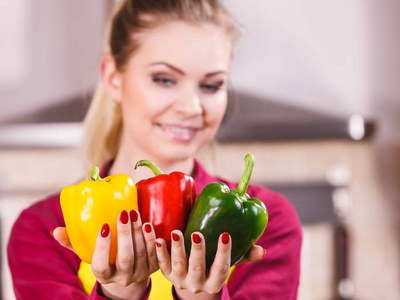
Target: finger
140,252
100,261
60,235
197,261
125,256
220,268
255,254
150,243
178,254
164,260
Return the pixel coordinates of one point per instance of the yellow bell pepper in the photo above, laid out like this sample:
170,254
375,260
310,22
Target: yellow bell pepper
93,202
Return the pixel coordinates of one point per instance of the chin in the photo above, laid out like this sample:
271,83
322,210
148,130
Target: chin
179,152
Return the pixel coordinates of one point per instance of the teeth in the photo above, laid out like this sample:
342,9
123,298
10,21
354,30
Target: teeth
178,129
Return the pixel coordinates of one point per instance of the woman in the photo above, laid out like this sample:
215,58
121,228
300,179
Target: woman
162,97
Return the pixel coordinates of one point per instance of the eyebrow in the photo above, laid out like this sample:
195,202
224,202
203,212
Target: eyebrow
176,69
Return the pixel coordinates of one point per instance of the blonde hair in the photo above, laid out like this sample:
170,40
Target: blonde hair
103,122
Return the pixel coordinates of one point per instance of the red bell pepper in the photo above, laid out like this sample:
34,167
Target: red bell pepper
165,200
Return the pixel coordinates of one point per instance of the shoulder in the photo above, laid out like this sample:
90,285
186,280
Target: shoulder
279,207
35,259
281,212
49,208
43,215
32,230
276,203
283,218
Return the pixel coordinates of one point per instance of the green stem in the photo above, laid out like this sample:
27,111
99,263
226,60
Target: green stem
245,180
95,174
156,170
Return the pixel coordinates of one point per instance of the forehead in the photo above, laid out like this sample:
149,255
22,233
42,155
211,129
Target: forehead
202,44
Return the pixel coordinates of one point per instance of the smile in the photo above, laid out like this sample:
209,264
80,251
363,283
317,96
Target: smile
180,133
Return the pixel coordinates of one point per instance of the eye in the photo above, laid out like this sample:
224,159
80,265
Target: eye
211,87
163,81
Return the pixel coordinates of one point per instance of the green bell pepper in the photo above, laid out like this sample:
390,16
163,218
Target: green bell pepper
219,209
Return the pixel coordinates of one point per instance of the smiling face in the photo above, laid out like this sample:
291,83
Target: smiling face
174,90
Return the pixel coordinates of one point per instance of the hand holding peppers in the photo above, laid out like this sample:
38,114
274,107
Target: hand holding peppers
219,209
165,200
91,203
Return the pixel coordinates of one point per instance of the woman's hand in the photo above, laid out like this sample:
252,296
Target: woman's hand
191,277
136,257
254,254
60,234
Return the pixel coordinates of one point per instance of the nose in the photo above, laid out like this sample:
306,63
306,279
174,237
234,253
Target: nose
189,102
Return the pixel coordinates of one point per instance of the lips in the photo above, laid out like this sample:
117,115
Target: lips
179,132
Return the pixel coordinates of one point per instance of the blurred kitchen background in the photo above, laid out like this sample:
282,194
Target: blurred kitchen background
315,96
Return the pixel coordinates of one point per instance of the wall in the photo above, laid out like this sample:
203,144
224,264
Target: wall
50,53
310,53
385,73
336,56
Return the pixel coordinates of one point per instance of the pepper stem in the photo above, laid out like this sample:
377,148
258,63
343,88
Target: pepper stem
156,170
245,180
95,174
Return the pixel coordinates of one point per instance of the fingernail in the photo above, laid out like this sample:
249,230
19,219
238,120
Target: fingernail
175,237
225,238
105,230
134,215
265,252
51,231
196,238
123,217
147,228
158,244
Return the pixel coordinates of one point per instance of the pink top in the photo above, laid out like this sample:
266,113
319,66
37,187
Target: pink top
42,269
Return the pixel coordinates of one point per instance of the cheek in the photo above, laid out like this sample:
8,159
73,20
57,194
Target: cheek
215,111
142,102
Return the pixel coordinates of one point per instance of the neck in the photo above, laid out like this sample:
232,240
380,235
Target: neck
126,163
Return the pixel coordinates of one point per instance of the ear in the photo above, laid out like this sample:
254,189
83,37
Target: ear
111,78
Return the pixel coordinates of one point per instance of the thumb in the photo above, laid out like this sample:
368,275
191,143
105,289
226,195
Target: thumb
60,235
255,254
